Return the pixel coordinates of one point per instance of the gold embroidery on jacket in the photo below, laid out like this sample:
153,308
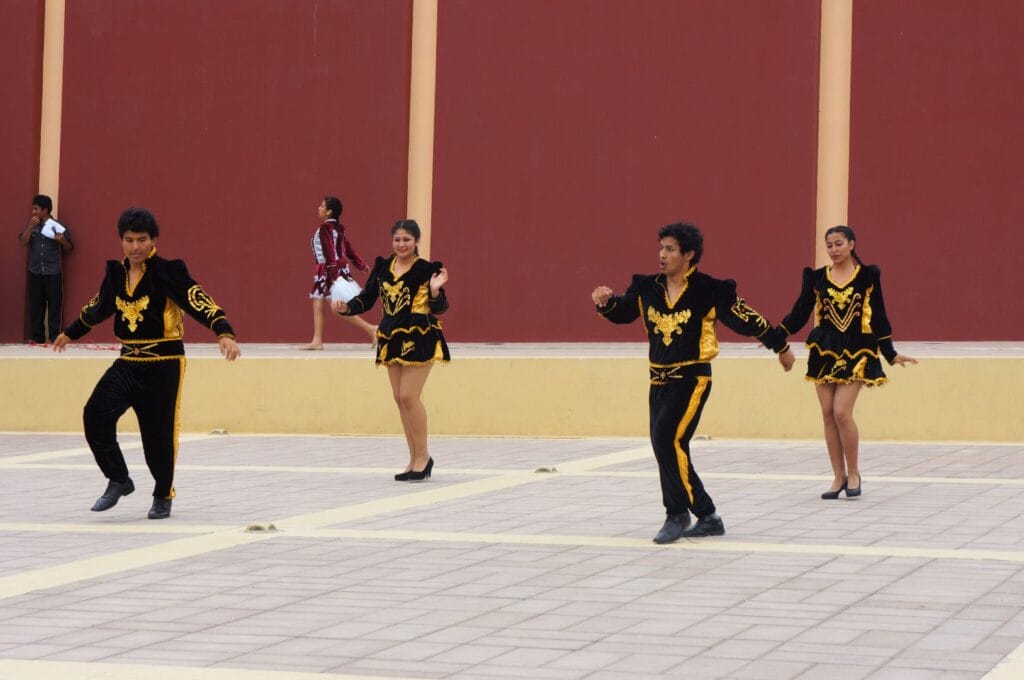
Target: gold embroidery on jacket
173,326
668,324
708,339
840,297
831,309
201,302
396,297
865,314
131,310
419,303
745,312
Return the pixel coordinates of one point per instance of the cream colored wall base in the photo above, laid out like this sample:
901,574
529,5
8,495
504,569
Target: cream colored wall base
943,399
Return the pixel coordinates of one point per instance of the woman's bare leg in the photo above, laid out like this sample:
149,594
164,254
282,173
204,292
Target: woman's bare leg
318,326
411,380
363,325
395,377
833,442
842,409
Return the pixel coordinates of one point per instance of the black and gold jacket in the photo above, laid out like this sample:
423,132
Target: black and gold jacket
148,318
849,320
408,307
682,331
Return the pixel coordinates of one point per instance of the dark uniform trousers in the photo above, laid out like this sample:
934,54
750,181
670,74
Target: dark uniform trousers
45,296
152,390
675,409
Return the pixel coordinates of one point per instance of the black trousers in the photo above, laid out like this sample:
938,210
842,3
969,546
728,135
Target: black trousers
45,293
675,411
153,390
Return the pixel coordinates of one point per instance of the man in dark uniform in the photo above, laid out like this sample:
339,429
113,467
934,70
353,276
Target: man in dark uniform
47,240
146,294
679,308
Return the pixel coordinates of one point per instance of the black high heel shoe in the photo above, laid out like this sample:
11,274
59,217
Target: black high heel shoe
854,491
422,474
403,476
832,495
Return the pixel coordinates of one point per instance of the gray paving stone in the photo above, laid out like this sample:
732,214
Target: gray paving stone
435,606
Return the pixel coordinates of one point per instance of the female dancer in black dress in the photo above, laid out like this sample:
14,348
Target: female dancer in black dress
851,329
409,338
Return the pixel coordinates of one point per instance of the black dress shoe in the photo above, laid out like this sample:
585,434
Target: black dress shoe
422,474
854,491
672,529
161,508
113,494
832,495
706,526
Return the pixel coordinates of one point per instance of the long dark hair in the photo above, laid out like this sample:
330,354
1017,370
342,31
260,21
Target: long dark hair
334,206
411,227
849,236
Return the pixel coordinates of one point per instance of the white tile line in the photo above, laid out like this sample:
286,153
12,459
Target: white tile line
1010,668
705,545
15,669
559,469
121,561
727,544
84,450
143,526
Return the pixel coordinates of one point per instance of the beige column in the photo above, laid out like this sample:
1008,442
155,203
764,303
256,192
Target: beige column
423,81
833,120
53,87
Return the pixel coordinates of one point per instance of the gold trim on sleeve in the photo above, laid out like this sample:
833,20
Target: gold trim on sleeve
201,302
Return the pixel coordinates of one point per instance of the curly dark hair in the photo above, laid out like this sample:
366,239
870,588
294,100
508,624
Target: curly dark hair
139,220
687,236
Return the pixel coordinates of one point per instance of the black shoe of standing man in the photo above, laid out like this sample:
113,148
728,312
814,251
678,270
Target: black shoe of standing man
113,494
711,525
161,508
673,528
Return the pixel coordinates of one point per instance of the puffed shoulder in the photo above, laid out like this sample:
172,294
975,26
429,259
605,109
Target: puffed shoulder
379,264
725,289
173,270
726,285
435,267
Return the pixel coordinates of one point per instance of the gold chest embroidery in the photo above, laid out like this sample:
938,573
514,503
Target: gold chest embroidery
841,307
668,324
396,297
131,310
840,298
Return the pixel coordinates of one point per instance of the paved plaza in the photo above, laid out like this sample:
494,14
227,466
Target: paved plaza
299,557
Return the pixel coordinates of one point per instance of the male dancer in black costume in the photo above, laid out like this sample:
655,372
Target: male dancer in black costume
679,308
146,294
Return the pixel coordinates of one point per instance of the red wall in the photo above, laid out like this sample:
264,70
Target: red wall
230,120
568,133
937,157
21,59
